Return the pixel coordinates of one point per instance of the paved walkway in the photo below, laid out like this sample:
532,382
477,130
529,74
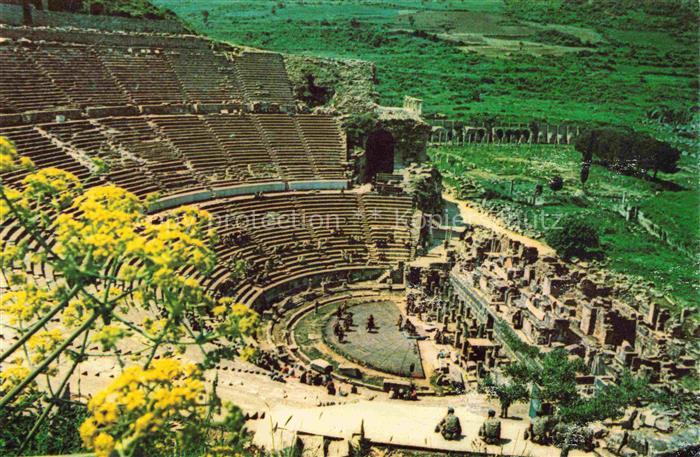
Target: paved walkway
470,215
396,423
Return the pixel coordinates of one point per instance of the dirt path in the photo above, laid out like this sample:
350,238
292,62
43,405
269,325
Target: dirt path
473,216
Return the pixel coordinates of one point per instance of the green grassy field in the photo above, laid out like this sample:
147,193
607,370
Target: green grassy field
474,59
488,170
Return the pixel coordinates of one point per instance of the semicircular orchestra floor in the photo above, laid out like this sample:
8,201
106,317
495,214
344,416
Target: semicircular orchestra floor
383,351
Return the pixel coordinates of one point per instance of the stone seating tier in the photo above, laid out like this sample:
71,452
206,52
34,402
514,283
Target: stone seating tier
54,76
300,233
187,153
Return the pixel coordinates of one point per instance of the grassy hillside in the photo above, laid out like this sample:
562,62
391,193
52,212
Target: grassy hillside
487,173
476,59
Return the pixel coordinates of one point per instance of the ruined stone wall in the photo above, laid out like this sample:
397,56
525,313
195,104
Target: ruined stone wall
458,133
349,85
411,135
425,184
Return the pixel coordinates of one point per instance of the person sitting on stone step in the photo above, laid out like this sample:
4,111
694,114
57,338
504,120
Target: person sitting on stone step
490,430
450,427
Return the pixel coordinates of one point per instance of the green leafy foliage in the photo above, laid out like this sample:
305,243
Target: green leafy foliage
627,151
506,392
556,377
558,37
609,401
574,237
143,9
58,434
681,15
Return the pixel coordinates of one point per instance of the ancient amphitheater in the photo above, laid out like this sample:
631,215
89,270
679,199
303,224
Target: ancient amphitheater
315,228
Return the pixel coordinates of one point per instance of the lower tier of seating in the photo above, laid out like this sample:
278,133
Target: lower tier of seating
263,241
274,237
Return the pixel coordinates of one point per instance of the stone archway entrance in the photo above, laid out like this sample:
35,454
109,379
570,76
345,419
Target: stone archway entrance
379,150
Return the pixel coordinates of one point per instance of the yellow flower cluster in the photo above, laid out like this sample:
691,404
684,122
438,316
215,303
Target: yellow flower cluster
13,196
43,342
109,258
26,303
12,374
9,159
103,224
52,186
144,405
108,335
109,223
238,318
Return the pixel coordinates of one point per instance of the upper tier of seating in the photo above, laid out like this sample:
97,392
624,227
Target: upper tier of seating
60,75
177,154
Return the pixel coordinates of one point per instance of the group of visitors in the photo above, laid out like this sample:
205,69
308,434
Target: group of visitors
344,321
235,238
451,428
406,325
401,393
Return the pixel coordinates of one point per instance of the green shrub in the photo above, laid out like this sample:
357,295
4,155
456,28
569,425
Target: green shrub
574,237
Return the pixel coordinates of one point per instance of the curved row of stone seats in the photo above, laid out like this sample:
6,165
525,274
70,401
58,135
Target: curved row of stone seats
50,76
263,77
337,220
287,148
86,137
79,72
324,141
144,74
281,236
24,86
193,140
135,137
205,76
241,140
182,153
390,223
31,143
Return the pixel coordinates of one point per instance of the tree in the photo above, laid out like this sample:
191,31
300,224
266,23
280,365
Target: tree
118,285
574,237
556,379
627,151
665,158
609,401
535,131
556,183
506,392
537,193
585,172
